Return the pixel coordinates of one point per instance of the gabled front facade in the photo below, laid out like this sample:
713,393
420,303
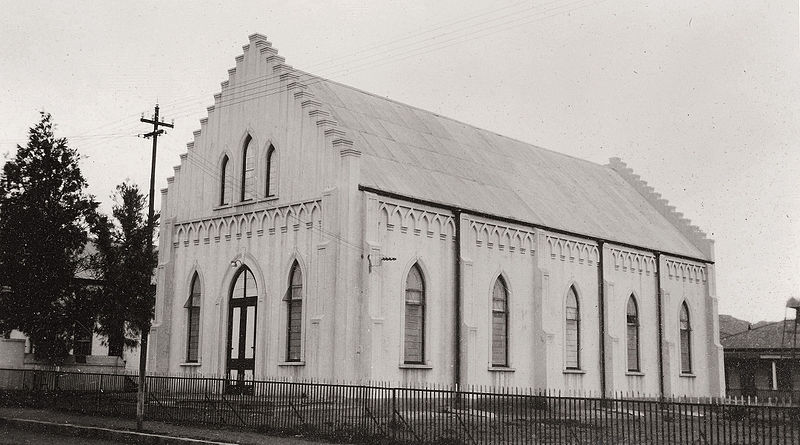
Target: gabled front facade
313,230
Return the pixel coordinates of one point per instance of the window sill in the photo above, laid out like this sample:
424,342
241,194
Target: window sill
300,363
574,371
500,369
221,207
190,364
635,373
688,375
415,366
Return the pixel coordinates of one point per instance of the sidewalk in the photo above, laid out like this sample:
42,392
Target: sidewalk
124,430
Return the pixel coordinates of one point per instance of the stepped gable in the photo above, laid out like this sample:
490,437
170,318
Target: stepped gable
280,77
691,231
420,154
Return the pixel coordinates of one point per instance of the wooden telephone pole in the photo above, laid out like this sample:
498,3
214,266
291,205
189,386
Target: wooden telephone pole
150,227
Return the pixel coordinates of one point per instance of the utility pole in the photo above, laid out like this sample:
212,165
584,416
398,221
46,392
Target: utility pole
145,330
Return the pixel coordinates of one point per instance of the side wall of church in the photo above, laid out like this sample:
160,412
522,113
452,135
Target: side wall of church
539,268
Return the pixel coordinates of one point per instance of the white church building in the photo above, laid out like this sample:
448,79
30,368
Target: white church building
314,230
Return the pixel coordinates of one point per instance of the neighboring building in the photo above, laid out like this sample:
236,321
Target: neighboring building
314,230
90,352
761,360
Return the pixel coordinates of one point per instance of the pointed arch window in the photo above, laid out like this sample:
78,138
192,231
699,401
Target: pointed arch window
272,174
686,340
573,331
294,314
248,191
242,331
632,321
193,321
414,341
500,323
225,182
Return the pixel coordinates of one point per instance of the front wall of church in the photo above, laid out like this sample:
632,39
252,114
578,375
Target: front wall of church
267,233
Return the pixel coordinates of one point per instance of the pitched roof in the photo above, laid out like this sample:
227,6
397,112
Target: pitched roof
420,154
765,336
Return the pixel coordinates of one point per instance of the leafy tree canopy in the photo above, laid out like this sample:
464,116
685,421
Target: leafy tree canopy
45,214
124,262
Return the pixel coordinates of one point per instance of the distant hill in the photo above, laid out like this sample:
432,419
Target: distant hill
729,325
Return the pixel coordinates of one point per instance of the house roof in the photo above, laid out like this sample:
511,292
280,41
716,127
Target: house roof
420,154
763,336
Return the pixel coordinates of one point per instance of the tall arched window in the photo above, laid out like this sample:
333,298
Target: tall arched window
294,314
632,321
224,182
500,323
573,331
248,171
242,331
414,344
272,175
193,318
686,340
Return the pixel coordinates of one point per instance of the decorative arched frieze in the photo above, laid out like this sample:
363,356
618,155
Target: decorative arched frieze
563,249
225,227
414,221
632,261
681,270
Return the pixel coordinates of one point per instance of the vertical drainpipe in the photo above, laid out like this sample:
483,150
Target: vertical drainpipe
660,327
601,303
457,303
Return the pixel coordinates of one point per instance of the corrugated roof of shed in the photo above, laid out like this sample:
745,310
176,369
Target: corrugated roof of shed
417,153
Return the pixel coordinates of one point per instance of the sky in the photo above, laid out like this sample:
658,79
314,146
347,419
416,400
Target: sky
702,99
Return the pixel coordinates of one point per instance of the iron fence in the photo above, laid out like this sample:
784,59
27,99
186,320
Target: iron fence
387,414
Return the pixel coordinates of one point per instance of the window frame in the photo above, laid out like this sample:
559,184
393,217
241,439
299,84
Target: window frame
224,182
244,192
572,292
290,302
687,330
505,311
190,308
422,303
271,173
636,325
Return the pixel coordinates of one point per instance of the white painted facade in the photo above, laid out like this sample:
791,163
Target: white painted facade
338,231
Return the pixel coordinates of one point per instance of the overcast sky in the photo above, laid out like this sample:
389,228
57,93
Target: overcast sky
699,98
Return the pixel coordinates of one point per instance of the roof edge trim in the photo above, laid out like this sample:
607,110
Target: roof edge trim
684,225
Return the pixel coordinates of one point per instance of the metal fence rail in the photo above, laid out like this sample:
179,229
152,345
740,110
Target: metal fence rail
373,413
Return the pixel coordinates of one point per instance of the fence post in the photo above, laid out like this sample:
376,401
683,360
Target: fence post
394,413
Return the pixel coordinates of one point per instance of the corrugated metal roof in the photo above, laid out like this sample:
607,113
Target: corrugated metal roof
420,154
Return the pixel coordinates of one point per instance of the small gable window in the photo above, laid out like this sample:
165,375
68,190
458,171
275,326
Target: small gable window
686,340
632,321
573,331
414,341
272,173
500,323
225,182
193,321
248,191
294,314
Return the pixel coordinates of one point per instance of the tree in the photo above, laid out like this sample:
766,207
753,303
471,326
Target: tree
124,263
45,214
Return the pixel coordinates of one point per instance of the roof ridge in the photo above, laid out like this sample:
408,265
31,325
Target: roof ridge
662,205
